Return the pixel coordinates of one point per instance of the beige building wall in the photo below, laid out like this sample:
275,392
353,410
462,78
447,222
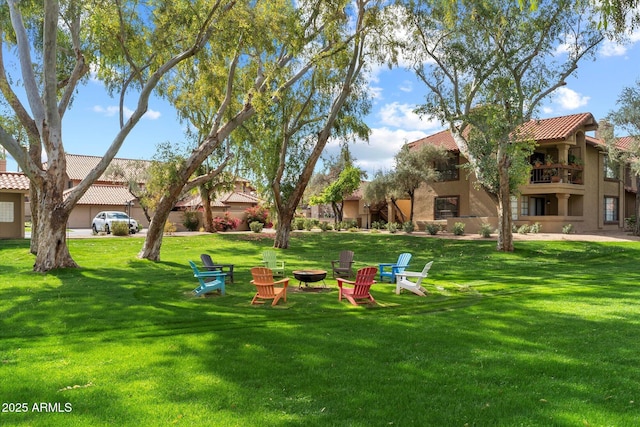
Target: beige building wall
474,202
11,215
82,215
579,205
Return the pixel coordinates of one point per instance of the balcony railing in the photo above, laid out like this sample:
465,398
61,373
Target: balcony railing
553,173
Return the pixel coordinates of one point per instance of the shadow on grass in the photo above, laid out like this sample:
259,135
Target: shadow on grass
542,336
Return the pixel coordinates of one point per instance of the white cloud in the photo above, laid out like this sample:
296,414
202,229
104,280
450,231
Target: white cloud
569,99
406,86
378,154
611,48
402,116
107,112
112,110
375,92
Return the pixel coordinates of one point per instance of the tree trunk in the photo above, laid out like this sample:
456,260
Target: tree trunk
505,235
35,154
284,229
52,250
207,217
153,242
35,221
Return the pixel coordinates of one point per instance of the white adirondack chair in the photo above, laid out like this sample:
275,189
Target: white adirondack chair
403,282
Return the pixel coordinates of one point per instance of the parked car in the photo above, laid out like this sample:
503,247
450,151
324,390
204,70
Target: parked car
104,221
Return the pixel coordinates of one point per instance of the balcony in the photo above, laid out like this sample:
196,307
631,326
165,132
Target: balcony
556,173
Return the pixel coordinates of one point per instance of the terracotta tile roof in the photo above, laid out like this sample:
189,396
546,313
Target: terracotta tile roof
440,139
236,197
555,128
79,166
14,181
559,127
195,201
627,143
105,195
624,143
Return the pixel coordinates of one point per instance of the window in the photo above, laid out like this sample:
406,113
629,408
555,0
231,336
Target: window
448,169
610,168
446,207
524,206
610,209
6,211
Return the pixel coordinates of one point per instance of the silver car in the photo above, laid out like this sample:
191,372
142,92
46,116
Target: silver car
104,220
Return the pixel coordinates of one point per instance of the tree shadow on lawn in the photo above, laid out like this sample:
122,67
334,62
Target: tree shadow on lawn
499,360
501,355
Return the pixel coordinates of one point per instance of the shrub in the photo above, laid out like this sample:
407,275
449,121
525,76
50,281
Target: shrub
432,228
298,223
458,228
630,223
256,226
324,226
257,213
485,230
378,225
524,229
408,227
348,224
354,229
535,228
567,229
392,227
120,228
309,224
225,223
169,227
190,220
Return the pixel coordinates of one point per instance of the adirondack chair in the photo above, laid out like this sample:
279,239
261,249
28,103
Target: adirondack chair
391,269
270,261
209,281
403,282
266,286
343,267
361,286
209,265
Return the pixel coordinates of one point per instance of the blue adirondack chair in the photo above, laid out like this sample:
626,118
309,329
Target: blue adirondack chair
391,269
209,280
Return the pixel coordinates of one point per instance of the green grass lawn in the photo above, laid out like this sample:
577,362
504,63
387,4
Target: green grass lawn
544,336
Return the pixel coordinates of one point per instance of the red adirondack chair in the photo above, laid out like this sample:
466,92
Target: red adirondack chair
360,290
265,285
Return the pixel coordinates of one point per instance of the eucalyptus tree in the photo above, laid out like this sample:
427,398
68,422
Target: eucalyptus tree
627,117
287,138
488,65
266,51
129,45
623,15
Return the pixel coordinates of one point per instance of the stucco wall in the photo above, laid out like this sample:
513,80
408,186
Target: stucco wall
14,203
82,215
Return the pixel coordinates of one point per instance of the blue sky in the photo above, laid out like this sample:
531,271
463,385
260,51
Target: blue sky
92,122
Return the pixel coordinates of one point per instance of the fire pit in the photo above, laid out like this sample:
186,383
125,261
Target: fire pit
310,276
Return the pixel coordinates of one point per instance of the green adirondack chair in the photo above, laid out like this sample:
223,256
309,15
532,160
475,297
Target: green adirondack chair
270,261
